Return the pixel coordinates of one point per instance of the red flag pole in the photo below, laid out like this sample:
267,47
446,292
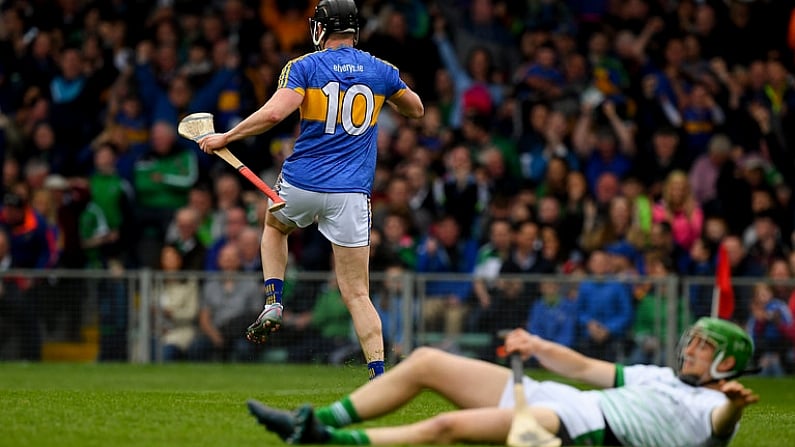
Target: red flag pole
723,294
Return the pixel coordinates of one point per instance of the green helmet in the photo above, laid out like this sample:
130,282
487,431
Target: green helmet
730,340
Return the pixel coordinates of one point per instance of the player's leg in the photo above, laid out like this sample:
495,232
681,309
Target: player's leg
274,264
480,425
299,211
274,248
345,222
466,382
351,265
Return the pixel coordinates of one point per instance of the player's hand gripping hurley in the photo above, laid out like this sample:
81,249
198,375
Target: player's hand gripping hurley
198,125
525,429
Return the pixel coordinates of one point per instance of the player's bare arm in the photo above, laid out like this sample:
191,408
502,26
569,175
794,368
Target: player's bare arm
726,416
284,102
408,104
561,360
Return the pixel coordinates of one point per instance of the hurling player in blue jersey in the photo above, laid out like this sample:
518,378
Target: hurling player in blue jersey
340,92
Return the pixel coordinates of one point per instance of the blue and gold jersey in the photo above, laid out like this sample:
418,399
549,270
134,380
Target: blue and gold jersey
344,90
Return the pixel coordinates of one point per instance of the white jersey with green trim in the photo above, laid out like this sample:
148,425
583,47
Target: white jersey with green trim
652,407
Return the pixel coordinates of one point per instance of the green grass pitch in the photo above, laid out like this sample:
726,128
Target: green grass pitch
194,405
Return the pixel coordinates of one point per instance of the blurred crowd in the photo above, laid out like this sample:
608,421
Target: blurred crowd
606,137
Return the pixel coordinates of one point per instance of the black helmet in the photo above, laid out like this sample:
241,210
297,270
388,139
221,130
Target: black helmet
333,16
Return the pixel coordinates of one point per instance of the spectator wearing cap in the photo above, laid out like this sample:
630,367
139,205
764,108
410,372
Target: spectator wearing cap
624,258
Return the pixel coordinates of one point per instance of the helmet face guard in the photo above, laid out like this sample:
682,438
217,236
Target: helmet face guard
728,339
333,16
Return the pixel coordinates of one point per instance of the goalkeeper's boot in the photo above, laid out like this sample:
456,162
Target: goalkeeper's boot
268,321
308,429
280,422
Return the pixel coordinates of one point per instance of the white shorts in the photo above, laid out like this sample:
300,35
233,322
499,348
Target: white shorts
578,410
343,218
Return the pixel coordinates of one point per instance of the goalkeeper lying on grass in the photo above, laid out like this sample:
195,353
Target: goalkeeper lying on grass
697,404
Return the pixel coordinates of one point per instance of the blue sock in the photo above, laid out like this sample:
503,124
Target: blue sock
273,290
375,368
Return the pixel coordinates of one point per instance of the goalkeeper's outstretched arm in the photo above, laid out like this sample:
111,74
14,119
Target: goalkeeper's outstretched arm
725,417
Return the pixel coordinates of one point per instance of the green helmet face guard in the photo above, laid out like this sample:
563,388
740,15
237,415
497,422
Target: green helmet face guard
729,340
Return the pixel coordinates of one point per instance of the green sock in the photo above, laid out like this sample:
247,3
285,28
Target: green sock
348,437
338,414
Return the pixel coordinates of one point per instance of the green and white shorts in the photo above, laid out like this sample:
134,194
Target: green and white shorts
578,410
